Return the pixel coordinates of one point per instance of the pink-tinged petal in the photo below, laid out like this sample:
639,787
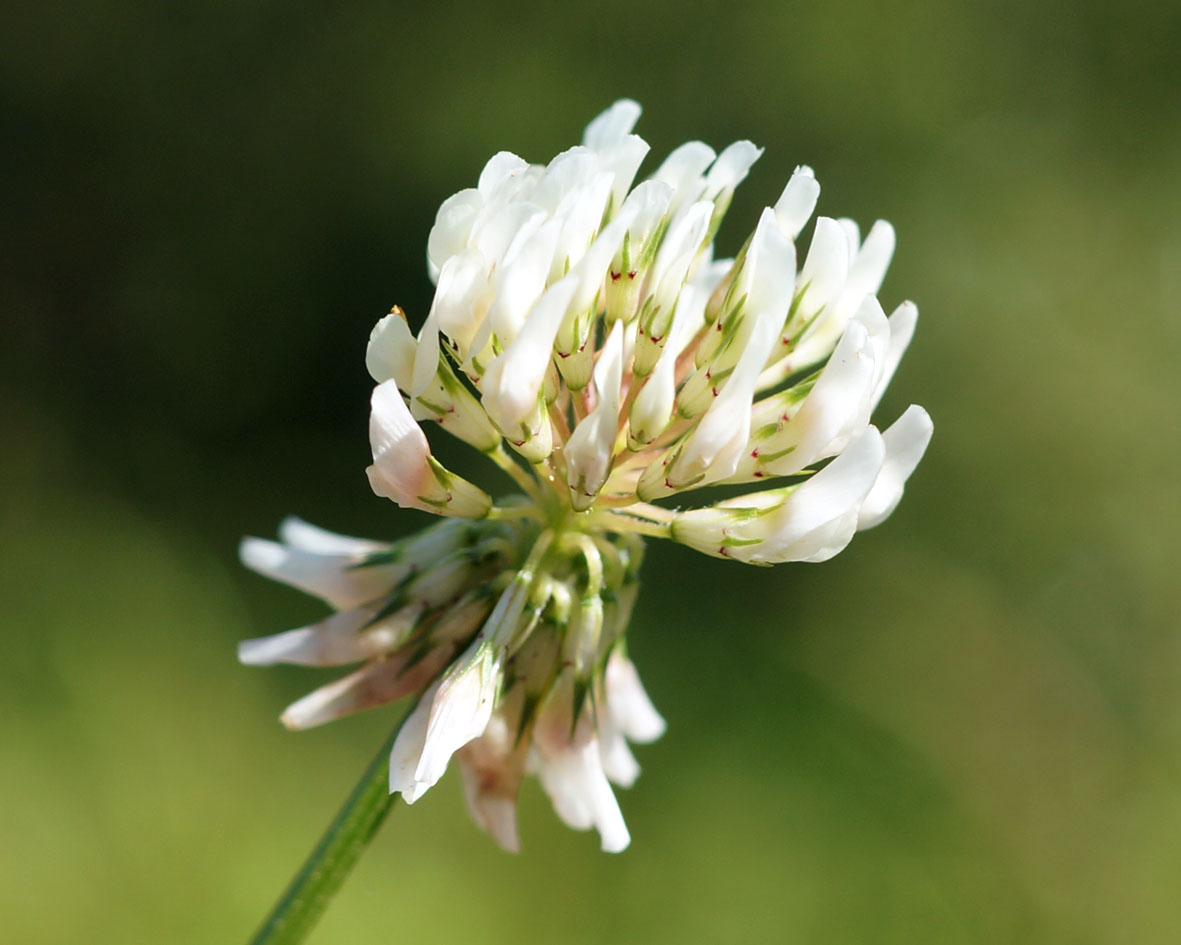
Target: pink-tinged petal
400,470
334,641
378,683
492,767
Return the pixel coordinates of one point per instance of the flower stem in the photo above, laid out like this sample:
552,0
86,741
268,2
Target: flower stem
308,895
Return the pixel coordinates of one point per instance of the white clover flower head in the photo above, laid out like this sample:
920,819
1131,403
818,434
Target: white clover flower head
584,338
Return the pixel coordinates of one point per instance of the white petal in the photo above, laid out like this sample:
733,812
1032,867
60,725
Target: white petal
582,796
453,227
852,235
731,167
824,271
628,703
330,642
685,163
504,227
499,168
303,535
332,578
906,441
619,764
400,448
458,308
623,160
491,768
676,252
581,212
795,205
513,381
611,125
376,683
869,266
769,271
821,507
408,748
391,351
902,325
460,710
831,408
521,283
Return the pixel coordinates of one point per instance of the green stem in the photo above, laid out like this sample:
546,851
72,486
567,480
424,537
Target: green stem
304,901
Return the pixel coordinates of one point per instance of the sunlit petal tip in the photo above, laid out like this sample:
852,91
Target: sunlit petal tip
612,125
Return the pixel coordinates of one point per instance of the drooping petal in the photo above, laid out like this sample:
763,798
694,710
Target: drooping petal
334,578
297,533
628,702
334,641
460,710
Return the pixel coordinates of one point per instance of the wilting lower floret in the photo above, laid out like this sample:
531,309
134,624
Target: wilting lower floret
584,326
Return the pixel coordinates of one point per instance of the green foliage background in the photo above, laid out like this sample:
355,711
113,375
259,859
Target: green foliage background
966,728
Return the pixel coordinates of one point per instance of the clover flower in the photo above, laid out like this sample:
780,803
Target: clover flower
583,337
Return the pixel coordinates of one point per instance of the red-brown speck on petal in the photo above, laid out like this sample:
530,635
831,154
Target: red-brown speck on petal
615,276
786,342
632,274
758,475
723,552
754,454
565,354
667,483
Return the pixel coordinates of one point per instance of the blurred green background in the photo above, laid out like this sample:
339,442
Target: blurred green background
966,728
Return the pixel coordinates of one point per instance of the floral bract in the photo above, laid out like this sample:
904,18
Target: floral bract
585,339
